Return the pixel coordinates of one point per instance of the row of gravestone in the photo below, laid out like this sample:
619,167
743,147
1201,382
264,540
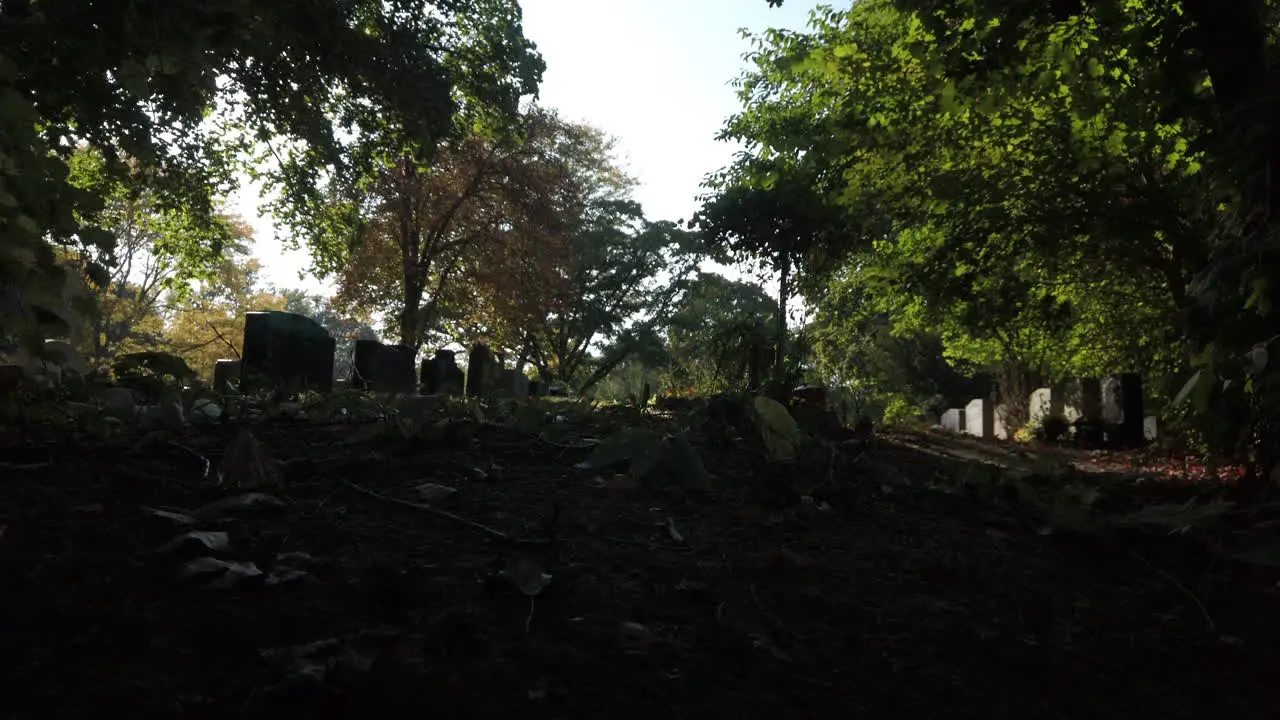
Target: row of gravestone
1115,402
289,352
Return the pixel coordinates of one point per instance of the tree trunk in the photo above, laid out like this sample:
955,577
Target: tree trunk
411,315
784,291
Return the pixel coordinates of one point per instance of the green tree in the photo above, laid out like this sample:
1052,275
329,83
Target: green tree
184,88
718,334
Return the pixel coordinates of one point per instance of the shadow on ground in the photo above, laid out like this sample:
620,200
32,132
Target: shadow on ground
877,596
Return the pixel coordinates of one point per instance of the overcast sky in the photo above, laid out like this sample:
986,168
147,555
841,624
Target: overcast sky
653,73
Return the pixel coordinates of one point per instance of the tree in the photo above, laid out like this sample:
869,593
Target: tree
432,231
769,210
623,276
1154,117
208,325
184,87
142,265
717,334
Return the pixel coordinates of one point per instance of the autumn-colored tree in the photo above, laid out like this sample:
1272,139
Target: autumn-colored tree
426,229
507,288
208,325
142,265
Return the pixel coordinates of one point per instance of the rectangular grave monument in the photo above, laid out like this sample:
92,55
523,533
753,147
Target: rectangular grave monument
286,352
383,368
441,375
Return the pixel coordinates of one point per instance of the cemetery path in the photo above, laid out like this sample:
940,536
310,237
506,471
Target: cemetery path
879,593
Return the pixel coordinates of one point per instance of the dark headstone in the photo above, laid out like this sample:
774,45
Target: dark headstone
481,371
1091,399
226,375
441,374
646,392
558,390
536,388
383,368
1133,421
286,352
511,383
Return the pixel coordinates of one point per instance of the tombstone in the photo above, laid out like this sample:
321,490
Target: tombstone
1110,400
382,368
537,388
980,418
511,383
1000,428
226,375
441,374
646,392
1082,401
1150,428
287,352
481,371
1132,419
1090,399
1045,402
558,390
953,420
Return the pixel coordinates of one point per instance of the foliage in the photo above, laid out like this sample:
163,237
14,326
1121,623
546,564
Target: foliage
184,89
432,235
144,264
718,335
1056,190
209,324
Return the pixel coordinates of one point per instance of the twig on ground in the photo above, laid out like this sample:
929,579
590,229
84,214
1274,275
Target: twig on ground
25,466
496,534
1208,619
208,466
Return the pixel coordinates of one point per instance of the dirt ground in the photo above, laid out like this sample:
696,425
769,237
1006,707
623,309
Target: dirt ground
538,589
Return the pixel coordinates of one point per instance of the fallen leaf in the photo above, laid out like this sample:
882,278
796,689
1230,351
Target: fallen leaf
673,532
175,517
219,574
249,502
207,540
431,492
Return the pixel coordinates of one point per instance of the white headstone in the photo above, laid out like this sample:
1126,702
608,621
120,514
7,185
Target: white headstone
1150,427
953,420
1111,408
1041,405
1001,427
974,417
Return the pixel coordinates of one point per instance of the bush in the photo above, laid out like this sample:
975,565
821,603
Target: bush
899,411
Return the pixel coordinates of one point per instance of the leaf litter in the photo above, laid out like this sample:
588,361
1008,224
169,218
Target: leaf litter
621,565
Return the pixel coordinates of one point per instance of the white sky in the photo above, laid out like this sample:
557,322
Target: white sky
653,73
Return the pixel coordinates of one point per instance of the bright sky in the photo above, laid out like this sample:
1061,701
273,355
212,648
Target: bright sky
653,73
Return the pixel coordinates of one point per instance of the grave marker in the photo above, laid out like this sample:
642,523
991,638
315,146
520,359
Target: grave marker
226,375
441,374
286,352
382,368
481,371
